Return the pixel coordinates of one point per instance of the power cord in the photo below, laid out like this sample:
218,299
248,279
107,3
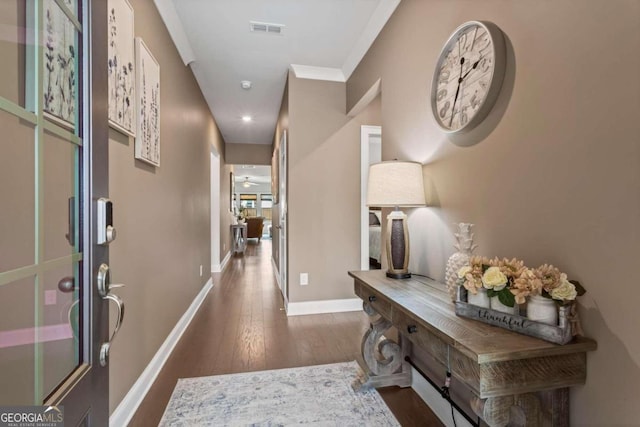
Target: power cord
444,391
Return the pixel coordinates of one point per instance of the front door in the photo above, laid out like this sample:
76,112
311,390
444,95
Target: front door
53,167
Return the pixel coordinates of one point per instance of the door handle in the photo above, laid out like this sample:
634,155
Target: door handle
67,284
104,283
104,289
105,347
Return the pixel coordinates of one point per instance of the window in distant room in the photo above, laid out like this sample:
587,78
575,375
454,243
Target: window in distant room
266,201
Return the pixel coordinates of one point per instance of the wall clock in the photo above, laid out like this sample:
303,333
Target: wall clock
468,76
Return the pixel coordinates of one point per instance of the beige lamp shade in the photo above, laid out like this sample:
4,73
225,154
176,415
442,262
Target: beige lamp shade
395,183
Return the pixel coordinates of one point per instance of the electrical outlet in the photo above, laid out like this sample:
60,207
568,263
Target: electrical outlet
50,297
200,270
304,279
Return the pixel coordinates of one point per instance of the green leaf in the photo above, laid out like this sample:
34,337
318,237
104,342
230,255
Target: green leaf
579,288
491,293
485,267
506,297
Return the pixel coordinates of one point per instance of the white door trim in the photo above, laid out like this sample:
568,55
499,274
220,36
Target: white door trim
282,196
215,211
366,132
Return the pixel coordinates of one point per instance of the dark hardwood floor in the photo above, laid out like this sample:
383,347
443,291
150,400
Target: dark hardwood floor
242,327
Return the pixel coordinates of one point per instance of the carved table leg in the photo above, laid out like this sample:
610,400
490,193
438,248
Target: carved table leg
515,411
384,358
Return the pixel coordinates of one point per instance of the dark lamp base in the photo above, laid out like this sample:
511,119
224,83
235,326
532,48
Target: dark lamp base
399,275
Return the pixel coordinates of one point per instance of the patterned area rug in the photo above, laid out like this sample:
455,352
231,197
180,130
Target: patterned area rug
313,395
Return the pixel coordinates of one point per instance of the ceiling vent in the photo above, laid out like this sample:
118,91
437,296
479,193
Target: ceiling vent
264,27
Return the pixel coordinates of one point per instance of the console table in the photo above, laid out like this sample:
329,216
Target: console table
238,238
515,379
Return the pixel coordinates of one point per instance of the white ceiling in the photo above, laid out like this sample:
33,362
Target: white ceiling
325,39
257,174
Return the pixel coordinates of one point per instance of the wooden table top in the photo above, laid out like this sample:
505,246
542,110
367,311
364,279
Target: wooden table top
428,302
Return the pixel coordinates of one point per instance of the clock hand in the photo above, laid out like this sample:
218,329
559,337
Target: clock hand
457,90
475,65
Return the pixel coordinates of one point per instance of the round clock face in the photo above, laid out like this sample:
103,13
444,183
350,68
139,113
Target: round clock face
468,76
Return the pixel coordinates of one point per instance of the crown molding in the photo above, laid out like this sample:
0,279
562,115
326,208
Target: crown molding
378,19
318,73
171,20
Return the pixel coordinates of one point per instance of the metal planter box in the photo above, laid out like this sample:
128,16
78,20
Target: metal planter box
560,334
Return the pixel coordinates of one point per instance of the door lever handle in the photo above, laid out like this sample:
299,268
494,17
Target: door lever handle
104,287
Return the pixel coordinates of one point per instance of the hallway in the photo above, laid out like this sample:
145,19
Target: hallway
242,326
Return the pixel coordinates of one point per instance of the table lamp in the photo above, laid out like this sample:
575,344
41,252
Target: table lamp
395,184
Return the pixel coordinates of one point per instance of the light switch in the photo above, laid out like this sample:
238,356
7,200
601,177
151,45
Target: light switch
304,278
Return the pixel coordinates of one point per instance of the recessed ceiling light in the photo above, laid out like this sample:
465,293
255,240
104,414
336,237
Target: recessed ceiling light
246,119
245,84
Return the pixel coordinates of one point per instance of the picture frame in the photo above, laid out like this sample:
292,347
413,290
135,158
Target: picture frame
232,190
121,67
147,145
59,60
275,184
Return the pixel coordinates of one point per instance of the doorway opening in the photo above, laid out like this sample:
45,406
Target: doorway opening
253,200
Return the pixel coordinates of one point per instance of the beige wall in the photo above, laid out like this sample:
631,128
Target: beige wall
248,154
162,214
552,176
324,189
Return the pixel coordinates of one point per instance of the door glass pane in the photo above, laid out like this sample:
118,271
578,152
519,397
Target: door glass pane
17,337
17,244
59,333
12,50
59,196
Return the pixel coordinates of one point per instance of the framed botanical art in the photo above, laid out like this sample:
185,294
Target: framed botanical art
275,161
147,146
60,56
121,67
232,190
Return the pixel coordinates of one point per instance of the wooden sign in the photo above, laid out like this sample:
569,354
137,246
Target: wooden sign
560,334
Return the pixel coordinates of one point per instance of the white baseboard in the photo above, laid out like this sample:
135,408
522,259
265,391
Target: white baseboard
217,268
129,405
276,272
323,306
435,402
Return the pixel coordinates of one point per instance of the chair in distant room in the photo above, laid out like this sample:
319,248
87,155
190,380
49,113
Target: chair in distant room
254,227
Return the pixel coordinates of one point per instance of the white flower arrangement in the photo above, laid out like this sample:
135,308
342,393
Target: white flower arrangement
512,282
